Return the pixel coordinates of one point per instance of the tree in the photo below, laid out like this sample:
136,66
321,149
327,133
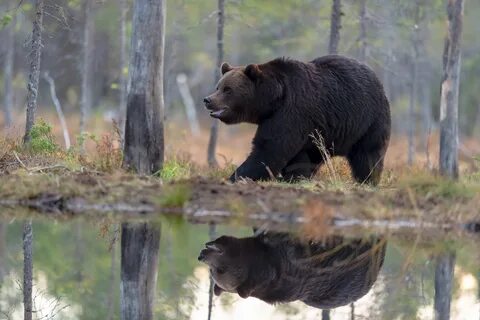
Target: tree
27,270
413,84
445,264
123,63
139,262
144,144
362,38
449,94
335,25
3,251
86,99
8,76
34,75
212,143
143,153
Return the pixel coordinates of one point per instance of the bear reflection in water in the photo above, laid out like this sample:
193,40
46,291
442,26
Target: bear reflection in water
278,268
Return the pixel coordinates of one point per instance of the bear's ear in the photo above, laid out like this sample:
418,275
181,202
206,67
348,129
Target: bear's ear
225,67
253,71
217,290
244,291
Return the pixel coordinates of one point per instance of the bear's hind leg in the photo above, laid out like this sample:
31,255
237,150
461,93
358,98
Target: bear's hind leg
367,164
298,168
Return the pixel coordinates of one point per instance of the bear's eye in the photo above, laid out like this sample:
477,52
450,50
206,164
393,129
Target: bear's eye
227,90
221,270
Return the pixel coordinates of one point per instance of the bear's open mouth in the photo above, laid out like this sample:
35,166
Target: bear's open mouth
217,113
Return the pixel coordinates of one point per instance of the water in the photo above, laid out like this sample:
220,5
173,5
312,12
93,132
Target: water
77,273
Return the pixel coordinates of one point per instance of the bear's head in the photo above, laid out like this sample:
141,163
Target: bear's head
230,261
244,94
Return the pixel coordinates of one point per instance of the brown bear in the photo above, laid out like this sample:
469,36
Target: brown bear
337,99
280,268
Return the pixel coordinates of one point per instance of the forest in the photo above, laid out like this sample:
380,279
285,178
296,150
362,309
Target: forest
114,173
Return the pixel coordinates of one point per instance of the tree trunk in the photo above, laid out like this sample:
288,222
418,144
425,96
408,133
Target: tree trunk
413,86
113,276
449,95
189,104
445,264
27,270
123,65
139,258
352,311
8,76
335,25
58,108
326,314
362,38
3,252
86,99
212,143
212,231
34,74
144,141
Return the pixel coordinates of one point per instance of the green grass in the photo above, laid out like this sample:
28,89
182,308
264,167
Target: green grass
42,140
174,196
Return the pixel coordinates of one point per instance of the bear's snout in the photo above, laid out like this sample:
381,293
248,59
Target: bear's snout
207,101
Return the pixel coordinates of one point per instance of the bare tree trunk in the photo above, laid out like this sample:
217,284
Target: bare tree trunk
189,104
449,96
335,25
212,143
445,264
33,78
58,108
352,311
8,76
144,141
123,64
413,86
212,233
326,314
27,270
140,245
362,38
113,276
144,152
86,99
3,251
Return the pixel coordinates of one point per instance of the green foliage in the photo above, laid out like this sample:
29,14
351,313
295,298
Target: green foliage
176,169
42,141
174,196
5,20
442,187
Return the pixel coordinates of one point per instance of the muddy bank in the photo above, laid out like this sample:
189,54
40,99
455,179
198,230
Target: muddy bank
269,206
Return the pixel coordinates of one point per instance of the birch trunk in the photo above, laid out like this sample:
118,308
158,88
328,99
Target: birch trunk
335,25
139,258
123,65
8,76
212,143
86,98
27,270
449,95
34,73
362,39
444,270
3,251
144,141
413,86
58,108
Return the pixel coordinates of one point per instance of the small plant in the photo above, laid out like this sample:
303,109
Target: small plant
319,142
177,167
42,141
109,153
174,196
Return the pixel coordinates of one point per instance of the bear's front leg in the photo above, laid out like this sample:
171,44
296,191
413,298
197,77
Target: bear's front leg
274,145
